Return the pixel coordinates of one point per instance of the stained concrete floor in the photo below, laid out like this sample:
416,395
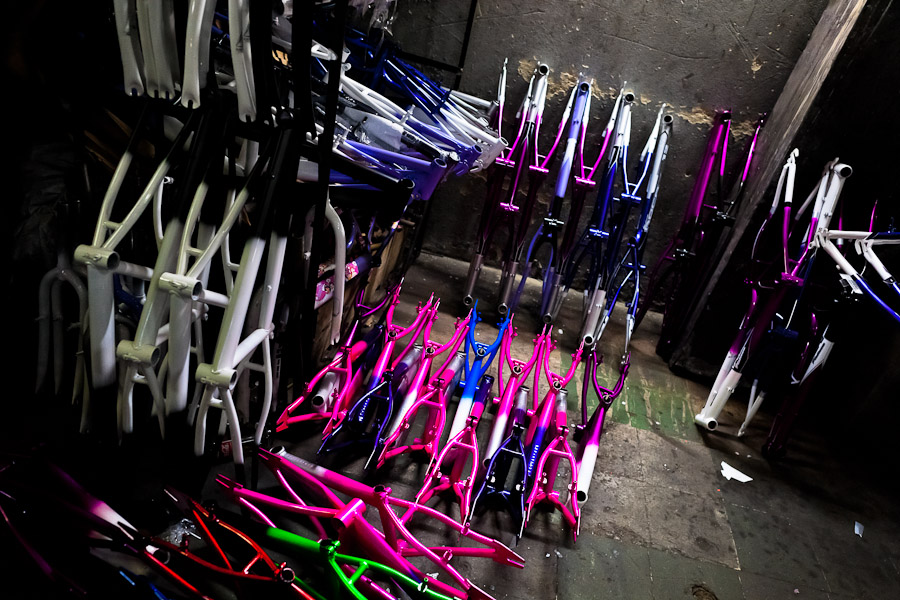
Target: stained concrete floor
661,521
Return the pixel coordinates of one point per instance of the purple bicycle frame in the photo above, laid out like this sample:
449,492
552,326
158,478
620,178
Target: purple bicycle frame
547,232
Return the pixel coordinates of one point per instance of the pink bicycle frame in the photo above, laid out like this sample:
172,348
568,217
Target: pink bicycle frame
423,388
446,471
544,470
518,373
548,469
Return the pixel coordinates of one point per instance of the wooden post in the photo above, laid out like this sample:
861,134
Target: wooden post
776,139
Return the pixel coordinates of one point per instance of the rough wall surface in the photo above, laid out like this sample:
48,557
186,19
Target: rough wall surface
697,56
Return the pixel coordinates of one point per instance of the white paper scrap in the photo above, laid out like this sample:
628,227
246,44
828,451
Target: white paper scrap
858,529
729,472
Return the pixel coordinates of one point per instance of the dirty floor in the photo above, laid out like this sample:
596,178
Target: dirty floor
661,522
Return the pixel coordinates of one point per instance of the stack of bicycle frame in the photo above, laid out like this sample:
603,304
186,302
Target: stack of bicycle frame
798,300
83,547
612,242
389,391
182,288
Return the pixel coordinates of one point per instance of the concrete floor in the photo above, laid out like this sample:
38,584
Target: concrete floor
661,521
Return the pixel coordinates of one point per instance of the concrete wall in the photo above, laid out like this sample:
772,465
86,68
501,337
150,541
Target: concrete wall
697,56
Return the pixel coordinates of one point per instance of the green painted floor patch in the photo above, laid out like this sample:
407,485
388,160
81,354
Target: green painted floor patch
662,401
653,398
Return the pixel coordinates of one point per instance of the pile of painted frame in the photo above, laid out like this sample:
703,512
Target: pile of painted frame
85,548
248,153
611,241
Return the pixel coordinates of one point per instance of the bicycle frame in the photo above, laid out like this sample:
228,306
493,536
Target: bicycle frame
654,154
478,359
750,335
543,456
233,354
510,388
603,236
445,472
507,465
552,225
500,208
105,529
366,420
591,429
425,383
691,249
434,399
392,544
331,388
102,262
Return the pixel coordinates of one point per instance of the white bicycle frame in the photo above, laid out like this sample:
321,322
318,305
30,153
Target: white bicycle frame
233,355
180,294
102,262
826,193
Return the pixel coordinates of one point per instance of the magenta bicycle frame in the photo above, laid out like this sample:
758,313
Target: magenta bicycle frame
392,334
336,383
343,384
392,544
446,471
518,373
592,429
555,452
542,462
423,389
